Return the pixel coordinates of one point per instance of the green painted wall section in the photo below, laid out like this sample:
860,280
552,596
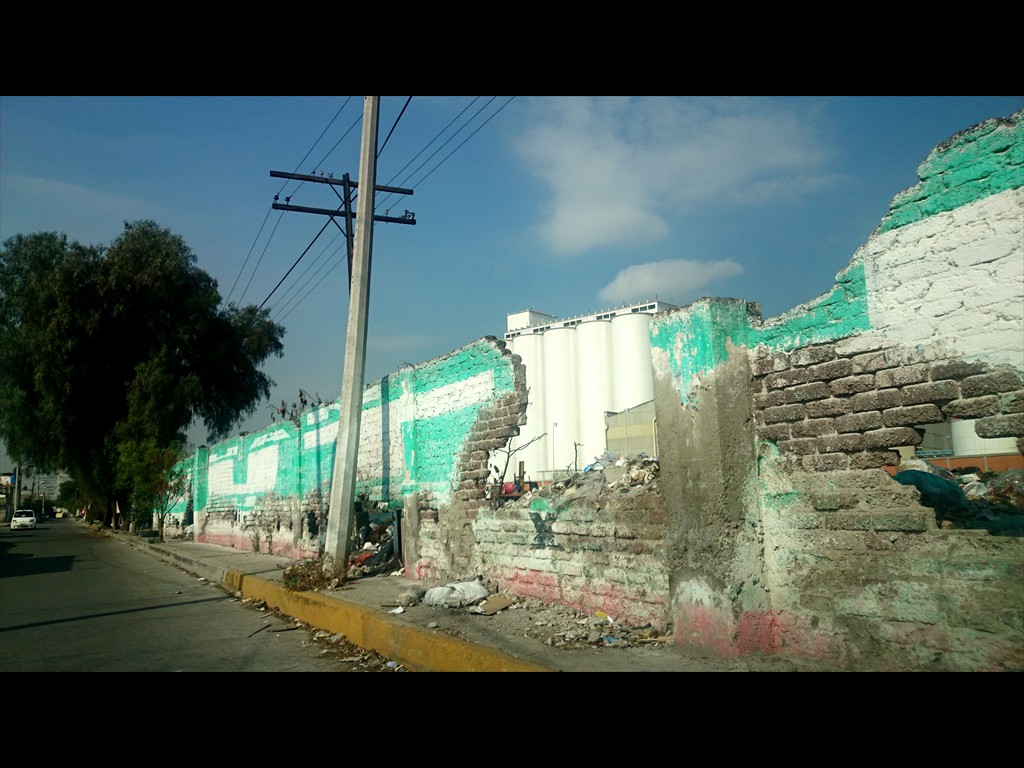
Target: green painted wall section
463,364
431,445
696,339
836,315
438,442
971,166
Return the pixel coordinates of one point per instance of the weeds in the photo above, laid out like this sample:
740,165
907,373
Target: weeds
311,574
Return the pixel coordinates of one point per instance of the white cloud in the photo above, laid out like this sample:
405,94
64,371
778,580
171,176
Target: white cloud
617,169
672,280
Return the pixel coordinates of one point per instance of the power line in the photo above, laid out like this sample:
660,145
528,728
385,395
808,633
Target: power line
247,256
326,258
404,107
241,271
485,122
290,306
260,260
294,265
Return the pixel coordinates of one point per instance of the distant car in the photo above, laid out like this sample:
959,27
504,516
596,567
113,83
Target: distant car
23,518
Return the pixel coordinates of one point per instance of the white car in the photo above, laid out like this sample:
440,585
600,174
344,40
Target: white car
23,518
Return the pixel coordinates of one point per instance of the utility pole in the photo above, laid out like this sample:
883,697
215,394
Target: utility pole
338,543
346,451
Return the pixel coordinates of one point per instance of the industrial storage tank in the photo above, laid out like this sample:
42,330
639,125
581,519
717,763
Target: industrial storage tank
594,376
560,388
633,378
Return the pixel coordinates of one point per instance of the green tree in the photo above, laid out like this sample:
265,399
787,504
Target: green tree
67,496
113,349
159,479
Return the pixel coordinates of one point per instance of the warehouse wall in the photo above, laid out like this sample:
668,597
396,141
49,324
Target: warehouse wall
426,433
775,528
786,534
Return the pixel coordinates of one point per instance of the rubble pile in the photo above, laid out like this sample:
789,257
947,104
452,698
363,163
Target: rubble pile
552,624
631,474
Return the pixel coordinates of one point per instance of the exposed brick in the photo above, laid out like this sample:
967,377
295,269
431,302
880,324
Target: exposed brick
836,369
859,422
831,462
915,414
1012,402
813,428
806,521
935,392
774,415
852,384
815,391
848,521
787,378
858,345
891,438
756,386
956,369
774,432
853,441
892,494
770,364
990,384
972,409
907,520
876,361
1009,425
877,401
833,406
874,459
813,355
800,447
898,377
770,399
831,500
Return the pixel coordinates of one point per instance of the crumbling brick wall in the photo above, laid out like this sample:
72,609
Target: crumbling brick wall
443,526
806,545
426,432
588,548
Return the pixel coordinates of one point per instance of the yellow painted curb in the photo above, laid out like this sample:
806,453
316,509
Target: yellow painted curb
416,649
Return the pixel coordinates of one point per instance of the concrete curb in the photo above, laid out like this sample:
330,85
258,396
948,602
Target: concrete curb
417,649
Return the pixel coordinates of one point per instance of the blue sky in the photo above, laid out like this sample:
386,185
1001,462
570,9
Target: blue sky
563,204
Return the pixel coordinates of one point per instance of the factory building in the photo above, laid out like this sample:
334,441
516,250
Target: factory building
589,378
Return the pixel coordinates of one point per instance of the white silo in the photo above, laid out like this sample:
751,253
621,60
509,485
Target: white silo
535,458
562,422
594,386
633,379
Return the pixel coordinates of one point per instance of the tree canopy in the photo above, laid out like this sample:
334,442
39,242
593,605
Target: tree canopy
106,348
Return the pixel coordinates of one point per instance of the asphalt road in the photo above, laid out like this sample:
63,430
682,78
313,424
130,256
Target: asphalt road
74,601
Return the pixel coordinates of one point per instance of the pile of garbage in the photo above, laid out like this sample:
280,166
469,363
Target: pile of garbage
969,498
607,473
377,540
552,624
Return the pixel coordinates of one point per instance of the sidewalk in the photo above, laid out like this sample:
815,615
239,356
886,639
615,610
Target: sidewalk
424,638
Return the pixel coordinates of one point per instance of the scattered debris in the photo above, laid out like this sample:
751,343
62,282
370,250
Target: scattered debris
492,605
309,575
456,595
969,498
331,644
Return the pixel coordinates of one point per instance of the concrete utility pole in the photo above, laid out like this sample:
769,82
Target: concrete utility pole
339,521
339,518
